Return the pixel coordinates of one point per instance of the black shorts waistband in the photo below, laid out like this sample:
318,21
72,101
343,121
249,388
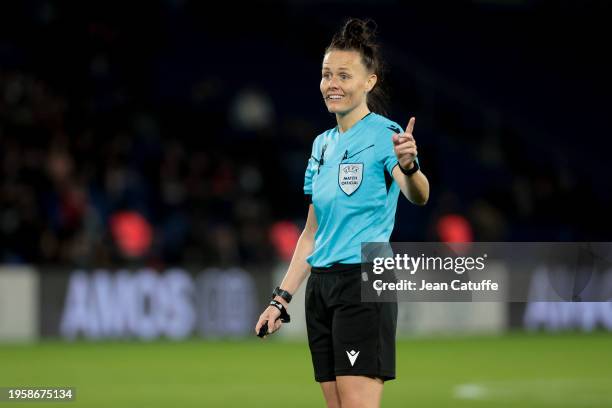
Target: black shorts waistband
337,268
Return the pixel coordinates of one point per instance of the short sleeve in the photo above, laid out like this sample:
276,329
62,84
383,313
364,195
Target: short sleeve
386,153
310,169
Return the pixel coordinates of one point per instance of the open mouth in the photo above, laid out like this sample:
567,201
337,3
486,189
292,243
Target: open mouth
334,97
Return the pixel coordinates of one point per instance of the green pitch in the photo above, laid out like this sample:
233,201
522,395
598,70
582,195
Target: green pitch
516,370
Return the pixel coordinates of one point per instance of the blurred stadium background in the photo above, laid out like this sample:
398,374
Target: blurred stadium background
152,158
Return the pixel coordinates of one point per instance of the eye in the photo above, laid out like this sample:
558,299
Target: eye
326,75
344,76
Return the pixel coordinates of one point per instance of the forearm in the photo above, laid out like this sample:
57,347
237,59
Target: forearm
414,187
298,267
417,188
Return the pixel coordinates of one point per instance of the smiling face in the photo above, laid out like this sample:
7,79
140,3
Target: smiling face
345,81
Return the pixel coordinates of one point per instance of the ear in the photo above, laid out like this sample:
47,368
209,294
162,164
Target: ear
371,82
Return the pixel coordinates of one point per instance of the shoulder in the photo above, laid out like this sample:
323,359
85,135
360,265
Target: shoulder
382,123
383,131
321,138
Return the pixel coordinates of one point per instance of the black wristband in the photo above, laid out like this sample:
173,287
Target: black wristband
284,316
410,172
283,294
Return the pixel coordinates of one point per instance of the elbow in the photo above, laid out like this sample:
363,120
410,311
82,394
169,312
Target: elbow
417,200
421,202
422,196
424,199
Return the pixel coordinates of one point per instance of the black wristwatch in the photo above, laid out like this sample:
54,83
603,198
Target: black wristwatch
283,294
413,170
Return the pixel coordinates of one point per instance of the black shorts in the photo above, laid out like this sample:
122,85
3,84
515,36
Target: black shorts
347,336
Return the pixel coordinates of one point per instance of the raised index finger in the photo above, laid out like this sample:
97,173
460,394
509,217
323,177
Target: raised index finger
410,126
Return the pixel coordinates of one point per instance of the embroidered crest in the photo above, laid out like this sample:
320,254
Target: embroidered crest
350,176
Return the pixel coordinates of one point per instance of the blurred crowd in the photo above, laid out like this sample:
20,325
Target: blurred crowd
110,153
63,184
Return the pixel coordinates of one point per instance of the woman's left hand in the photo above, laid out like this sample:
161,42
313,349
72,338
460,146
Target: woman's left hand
405,147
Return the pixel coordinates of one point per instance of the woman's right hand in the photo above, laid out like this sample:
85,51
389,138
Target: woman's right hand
271,316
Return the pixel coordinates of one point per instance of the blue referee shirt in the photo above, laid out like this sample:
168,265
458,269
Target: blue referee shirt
354,195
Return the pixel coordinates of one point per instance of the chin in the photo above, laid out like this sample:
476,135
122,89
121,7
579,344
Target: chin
335,109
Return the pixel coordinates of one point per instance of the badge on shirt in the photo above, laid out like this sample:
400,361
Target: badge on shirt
350,176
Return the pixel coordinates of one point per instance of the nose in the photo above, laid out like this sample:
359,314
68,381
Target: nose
333,83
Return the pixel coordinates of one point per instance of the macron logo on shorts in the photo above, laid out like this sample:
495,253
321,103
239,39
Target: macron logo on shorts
352,356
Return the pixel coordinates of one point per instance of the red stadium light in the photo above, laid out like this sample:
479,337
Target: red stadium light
454,228
284,235
132,233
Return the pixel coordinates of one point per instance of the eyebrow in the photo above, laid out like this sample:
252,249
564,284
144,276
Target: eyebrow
339,69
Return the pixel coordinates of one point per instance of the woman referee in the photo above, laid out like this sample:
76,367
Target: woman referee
352,180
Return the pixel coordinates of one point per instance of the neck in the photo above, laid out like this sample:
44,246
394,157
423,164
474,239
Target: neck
348,119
